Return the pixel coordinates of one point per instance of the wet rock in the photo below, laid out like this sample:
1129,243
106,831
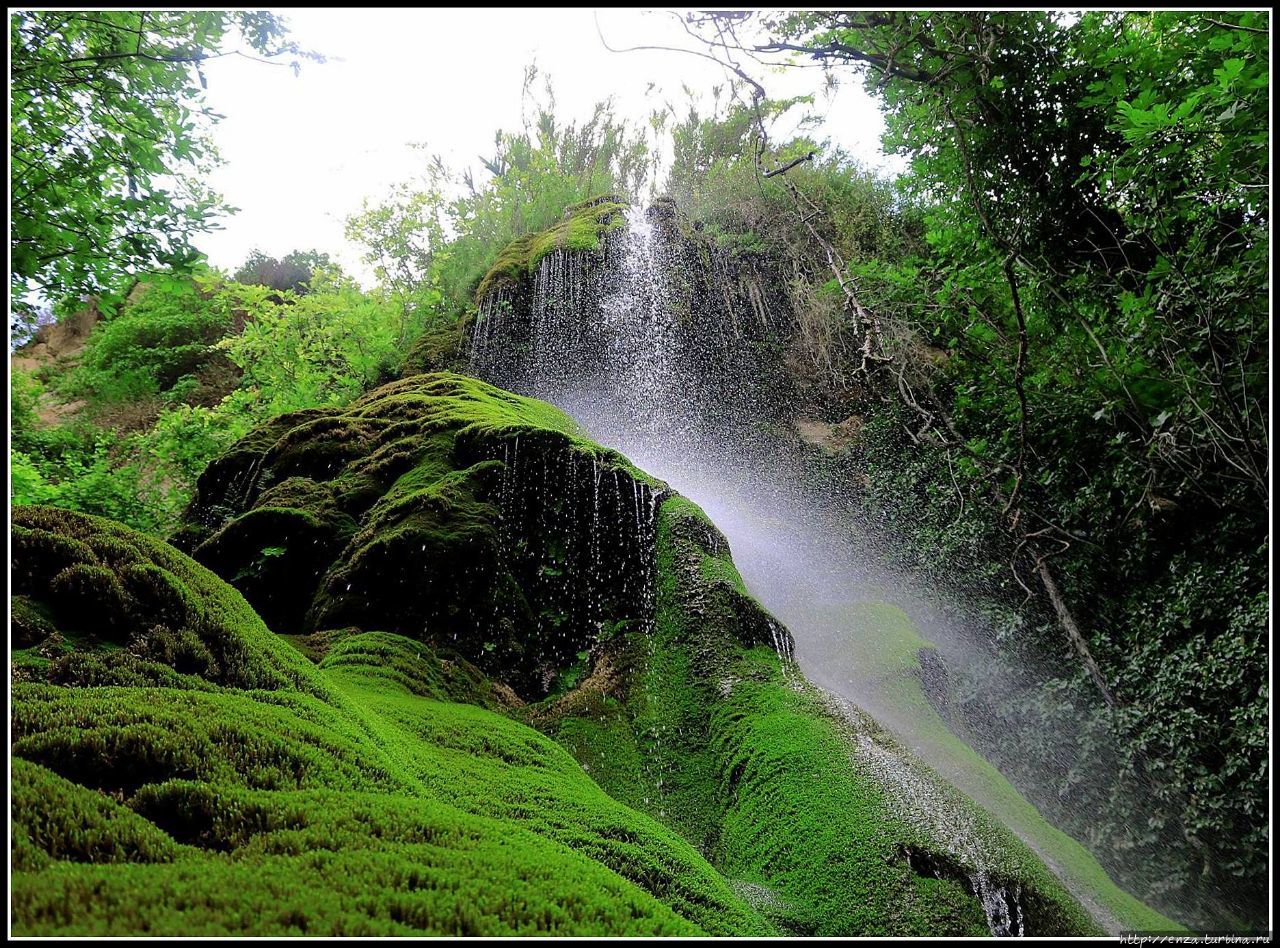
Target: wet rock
439,508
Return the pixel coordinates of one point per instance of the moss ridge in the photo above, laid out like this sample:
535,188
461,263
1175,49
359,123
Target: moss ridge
756,768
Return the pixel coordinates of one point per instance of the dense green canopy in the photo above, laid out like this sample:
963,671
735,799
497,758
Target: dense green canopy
109,139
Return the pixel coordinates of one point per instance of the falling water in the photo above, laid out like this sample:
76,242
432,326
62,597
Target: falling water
603,342
635,313
558,514
915,798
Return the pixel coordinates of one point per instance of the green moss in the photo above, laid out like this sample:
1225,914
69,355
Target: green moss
392,661
160,607
602,739
356,796
792,814
63,821
29,623
581,229
886,646
805,822
437,350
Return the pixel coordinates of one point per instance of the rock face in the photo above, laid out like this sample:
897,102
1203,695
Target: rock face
660,767
63,339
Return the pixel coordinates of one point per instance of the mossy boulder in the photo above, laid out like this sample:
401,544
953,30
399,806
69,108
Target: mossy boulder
97,603
440,508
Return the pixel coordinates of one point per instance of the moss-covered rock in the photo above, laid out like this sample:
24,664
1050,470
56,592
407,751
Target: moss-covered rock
707,725
440,508
427,549
551,317
98,603
581,228
437,350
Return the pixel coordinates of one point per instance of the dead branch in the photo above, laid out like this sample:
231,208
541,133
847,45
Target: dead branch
789,165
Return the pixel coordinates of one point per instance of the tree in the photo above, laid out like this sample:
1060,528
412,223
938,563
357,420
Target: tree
292,272
110,141
1119,163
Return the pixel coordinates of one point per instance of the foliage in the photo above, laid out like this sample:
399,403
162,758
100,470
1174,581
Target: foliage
25,390
91,476
444,235
323,348
182,368
319,349
717,179
76,465
185,438
1093,287
292,272
150,346
109,141
400,233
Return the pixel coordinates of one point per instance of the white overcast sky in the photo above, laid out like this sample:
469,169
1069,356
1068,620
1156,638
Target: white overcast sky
303,152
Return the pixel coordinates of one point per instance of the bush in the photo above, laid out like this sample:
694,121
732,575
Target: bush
150,344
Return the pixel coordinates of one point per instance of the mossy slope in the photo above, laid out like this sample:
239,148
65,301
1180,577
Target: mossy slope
709,726
430,548
357,796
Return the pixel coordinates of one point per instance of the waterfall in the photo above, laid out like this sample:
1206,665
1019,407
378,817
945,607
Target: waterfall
642,342
613,339
494,313
564,524
595,328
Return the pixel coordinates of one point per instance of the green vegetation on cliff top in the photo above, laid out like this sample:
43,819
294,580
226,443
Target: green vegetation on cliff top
581,228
